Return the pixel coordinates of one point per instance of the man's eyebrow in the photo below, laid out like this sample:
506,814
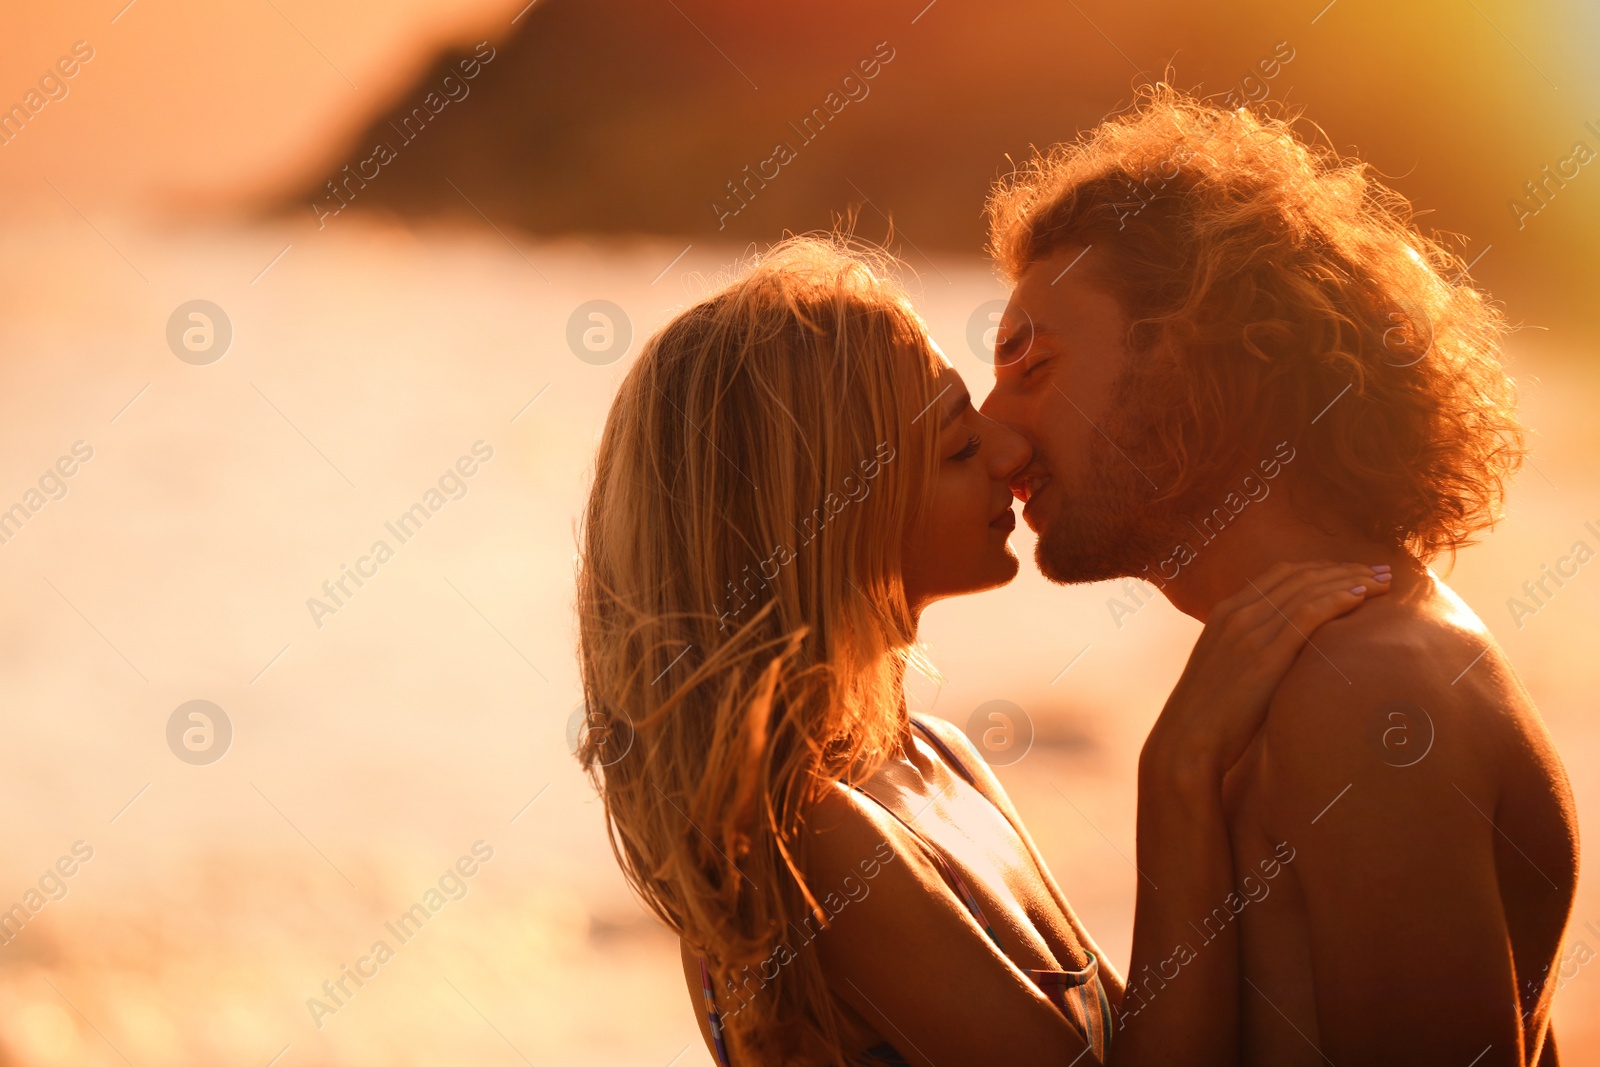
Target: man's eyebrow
1021,337
1013,346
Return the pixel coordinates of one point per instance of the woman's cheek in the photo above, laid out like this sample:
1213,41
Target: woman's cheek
965,504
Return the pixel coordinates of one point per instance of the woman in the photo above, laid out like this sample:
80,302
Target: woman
789,474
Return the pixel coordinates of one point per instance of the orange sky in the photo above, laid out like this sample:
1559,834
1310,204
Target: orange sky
186,98
190,99
199,106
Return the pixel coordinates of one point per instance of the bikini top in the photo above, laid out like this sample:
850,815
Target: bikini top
1078,995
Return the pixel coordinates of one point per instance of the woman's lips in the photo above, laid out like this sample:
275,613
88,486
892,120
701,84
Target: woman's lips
1006,520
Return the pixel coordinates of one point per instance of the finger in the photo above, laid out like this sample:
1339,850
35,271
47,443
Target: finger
1278,630
1311,611
1266,583
1278,585
1312,607
1278,639
1279,582
1318,592
1382,582
1295,585
1367,582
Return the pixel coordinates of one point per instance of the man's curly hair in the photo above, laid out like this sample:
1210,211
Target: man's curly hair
1276,291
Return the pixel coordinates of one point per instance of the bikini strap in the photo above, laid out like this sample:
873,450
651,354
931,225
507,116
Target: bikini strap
946,751
712,1014
1079,995
950,757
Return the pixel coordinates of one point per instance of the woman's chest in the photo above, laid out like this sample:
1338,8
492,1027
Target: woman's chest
992,869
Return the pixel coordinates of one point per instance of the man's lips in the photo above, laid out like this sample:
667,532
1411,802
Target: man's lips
1025,489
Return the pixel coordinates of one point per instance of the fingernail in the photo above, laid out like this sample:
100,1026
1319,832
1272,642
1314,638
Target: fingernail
1358,589
1383,577
1381,567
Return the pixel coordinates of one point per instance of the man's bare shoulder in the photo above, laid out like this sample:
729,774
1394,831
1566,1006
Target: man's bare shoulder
1412,681
1416,640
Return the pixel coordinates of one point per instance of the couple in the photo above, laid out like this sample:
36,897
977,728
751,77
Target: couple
792,471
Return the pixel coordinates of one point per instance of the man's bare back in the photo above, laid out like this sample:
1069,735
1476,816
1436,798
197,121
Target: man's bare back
1428,848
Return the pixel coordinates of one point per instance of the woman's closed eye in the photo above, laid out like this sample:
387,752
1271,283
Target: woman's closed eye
970,449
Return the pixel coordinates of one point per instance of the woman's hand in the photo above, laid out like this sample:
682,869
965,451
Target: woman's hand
1249,643
1184,855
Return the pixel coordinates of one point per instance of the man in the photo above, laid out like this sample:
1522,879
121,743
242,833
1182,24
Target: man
1229,349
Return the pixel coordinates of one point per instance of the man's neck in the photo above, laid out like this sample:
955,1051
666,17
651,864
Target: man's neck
1266,534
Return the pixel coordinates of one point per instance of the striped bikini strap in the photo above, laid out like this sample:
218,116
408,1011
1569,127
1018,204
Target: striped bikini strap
945,750
1081,997
712,1014
967,898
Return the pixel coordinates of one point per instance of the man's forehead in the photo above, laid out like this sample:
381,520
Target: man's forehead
1058,276
1049,300
1062,262
1074,311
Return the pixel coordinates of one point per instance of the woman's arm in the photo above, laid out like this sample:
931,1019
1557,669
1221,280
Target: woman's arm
987,783
1181,1001
906,955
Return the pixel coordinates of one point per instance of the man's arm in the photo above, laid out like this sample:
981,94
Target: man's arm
1410,952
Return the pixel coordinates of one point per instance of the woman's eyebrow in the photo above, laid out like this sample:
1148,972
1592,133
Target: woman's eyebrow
959,402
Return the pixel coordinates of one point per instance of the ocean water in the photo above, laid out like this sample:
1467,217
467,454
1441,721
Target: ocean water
363,746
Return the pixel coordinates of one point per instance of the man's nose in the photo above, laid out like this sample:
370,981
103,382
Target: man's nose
1012,451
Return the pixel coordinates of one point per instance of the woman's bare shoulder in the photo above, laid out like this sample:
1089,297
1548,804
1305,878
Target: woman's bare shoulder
844,830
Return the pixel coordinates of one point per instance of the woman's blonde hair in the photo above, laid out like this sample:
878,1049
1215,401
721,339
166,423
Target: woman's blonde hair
743,627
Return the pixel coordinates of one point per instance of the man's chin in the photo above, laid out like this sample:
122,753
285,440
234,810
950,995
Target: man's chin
1067,558
1050,564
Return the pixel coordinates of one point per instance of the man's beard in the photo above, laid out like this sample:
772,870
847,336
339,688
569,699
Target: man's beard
1110,524
1110,529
